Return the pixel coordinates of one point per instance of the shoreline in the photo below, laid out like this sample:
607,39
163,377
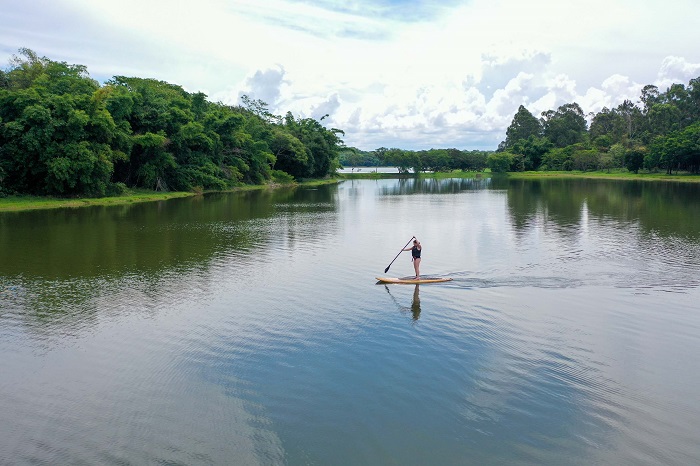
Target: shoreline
25,203
601,175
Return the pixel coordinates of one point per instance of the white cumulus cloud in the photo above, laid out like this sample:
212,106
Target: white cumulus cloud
401,73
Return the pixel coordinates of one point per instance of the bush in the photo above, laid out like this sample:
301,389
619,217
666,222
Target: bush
499,162
279,176
116,189
634,159
585,160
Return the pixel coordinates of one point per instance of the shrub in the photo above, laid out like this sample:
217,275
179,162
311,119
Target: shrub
499,162
282,177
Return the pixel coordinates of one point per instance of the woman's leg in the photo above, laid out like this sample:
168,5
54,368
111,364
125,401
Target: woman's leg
416,266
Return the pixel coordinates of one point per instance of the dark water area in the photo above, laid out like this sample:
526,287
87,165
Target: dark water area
248,328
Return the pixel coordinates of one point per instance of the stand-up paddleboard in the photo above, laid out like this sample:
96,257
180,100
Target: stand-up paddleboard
412,281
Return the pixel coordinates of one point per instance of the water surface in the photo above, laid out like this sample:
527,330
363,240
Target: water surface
248,329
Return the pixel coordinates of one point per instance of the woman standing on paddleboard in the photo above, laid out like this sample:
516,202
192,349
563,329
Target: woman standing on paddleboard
415,256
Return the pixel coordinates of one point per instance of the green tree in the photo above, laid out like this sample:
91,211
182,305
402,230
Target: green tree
632,117
500,162
565,126
559,158
610,124
291,154
523,126
435,160
56,135
323,144
153,163
634,158
532,149
663,119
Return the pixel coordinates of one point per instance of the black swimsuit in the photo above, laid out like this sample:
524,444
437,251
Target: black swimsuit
415,252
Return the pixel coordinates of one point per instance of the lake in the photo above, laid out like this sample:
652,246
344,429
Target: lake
248,328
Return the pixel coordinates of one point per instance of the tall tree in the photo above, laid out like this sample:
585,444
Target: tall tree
524,125
610,123
565,126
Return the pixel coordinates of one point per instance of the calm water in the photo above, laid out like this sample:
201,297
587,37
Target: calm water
248,328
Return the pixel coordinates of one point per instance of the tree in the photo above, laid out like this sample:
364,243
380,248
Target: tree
565,126
663,119
62,133
680,149
634,158
632,116
323,144
291,154
435,160
523,126
608,123
532,149
650,97
56,135
500,162
398,158
617,155
260,108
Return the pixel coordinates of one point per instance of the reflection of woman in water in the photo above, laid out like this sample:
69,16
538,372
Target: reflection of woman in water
415,304
415,256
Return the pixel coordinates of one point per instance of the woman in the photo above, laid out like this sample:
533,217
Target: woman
415,256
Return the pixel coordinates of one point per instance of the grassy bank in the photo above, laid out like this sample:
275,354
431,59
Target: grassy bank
612,175
19,203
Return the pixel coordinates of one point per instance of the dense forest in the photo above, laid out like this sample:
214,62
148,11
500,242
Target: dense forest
64,134
661,132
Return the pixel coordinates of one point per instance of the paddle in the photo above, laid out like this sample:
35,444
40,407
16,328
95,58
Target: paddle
387,267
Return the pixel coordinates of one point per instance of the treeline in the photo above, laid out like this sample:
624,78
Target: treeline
661,132
434,160
64,134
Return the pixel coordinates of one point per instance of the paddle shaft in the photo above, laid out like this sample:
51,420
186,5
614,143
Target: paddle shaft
387,267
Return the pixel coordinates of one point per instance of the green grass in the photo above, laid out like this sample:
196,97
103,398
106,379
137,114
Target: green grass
17,203
20,203
612,175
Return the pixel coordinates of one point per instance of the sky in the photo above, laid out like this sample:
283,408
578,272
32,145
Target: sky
412,74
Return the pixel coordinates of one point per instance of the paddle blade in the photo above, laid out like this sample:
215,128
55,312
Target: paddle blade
387,269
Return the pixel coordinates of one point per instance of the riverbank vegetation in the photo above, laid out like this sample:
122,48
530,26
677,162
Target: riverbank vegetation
16,203
407,161
660,133
64,134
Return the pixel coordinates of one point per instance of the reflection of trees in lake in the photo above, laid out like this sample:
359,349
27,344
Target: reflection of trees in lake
61,260
666,208
434,186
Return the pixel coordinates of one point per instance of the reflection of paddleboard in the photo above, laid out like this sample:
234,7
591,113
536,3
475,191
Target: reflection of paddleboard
413,281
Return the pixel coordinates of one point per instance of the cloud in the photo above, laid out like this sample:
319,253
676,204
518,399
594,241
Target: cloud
408,73
265,85
676,70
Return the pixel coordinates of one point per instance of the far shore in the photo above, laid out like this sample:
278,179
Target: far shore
609,175
22,203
